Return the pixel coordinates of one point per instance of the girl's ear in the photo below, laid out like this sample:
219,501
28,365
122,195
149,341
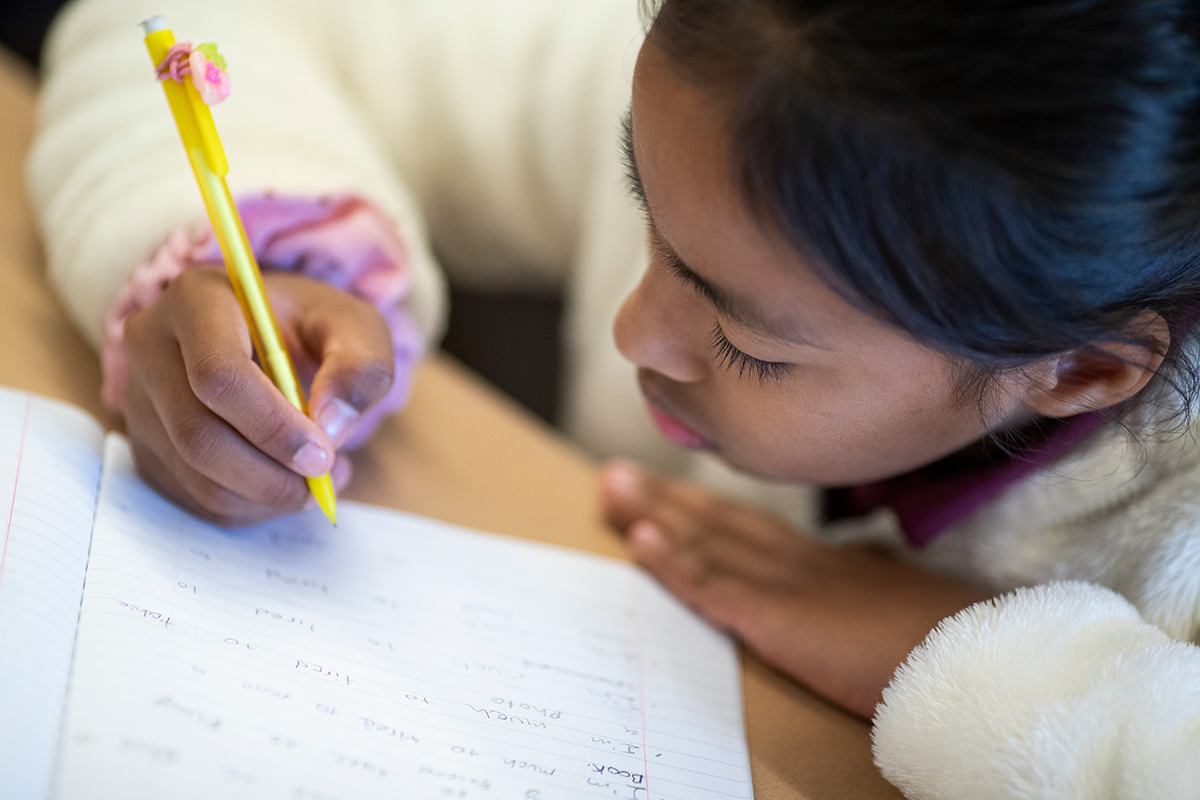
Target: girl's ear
1100,375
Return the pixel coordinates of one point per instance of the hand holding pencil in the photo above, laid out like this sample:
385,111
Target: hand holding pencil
209,428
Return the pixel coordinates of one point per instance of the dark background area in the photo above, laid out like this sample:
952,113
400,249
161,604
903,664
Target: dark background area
512,339
23,25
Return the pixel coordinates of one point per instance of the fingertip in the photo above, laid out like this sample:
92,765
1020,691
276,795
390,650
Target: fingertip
349,381
646,541
312,460
622,480
337,419
341,473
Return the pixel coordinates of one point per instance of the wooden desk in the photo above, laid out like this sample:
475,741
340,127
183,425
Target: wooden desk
461,453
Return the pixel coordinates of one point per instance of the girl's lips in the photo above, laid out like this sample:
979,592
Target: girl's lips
675,431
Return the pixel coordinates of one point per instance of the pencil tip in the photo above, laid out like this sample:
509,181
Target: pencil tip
322,489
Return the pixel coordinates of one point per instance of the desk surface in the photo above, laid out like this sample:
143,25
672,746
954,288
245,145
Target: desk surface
461,452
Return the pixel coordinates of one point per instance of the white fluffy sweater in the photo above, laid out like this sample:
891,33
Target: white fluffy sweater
498,121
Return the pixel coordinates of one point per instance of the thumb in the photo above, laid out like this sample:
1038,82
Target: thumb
352,345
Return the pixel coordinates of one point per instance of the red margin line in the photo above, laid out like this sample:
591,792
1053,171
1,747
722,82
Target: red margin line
642,690
16,480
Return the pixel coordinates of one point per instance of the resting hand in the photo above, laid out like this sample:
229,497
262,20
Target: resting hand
838,619
207,427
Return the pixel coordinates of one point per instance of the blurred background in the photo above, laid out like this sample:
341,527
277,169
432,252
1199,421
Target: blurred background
510,339
23,25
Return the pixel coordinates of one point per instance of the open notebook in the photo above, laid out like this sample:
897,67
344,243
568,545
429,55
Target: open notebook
146,654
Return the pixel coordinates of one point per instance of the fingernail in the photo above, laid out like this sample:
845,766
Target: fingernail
311,460
645,534
624,478
337,418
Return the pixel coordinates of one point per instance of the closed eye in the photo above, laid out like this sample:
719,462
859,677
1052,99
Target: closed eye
729,357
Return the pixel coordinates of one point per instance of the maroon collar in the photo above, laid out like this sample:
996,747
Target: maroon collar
931,499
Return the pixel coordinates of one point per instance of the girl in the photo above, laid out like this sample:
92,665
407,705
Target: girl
936,261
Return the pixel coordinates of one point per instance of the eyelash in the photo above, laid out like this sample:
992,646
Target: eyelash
726,353
728,356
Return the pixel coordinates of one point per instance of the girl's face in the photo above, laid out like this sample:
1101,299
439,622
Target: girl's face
742,350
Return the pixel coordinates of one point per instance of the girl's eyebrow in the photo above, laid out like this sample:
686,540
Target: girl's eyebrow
742,310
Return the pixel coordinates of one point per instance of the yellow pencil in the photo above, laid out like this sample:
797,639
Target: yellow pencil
207,158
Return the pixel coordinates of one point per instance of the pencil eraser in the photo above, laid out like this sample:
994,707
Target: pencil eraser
153,25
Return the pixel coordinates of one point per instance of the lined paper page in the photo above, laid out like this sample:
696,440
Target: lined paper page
391,657
49,469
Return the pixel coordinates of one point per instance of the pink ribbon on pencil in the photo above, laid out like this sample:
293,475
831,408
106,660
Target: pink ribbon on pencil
203,64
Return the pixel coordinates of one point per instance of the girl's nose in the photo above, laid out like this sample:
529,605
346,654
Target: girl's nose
661,326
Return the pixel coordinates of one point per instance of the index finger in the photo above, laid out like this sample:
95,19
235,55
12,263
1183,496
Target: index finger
214,342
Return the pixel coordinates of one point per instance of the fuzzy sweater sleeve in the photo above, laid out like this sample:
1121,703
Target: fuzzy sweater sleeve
109,179
1057,691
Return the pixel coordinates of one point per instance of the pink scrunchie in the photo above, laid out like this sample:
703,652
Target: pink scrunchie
343,240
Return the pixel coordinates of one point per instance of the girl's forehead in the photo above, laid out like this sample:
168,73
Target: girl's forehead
680,165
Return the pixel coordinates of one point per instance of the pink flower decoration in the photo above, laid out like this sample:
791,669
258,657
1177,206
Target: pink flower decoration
207,76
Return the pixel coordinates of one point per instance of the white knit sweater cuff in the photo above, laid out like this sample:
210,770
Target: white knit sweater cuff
1055,691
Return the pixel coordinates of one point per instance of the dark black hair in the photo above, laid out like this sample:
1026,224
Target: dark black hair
1004,180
